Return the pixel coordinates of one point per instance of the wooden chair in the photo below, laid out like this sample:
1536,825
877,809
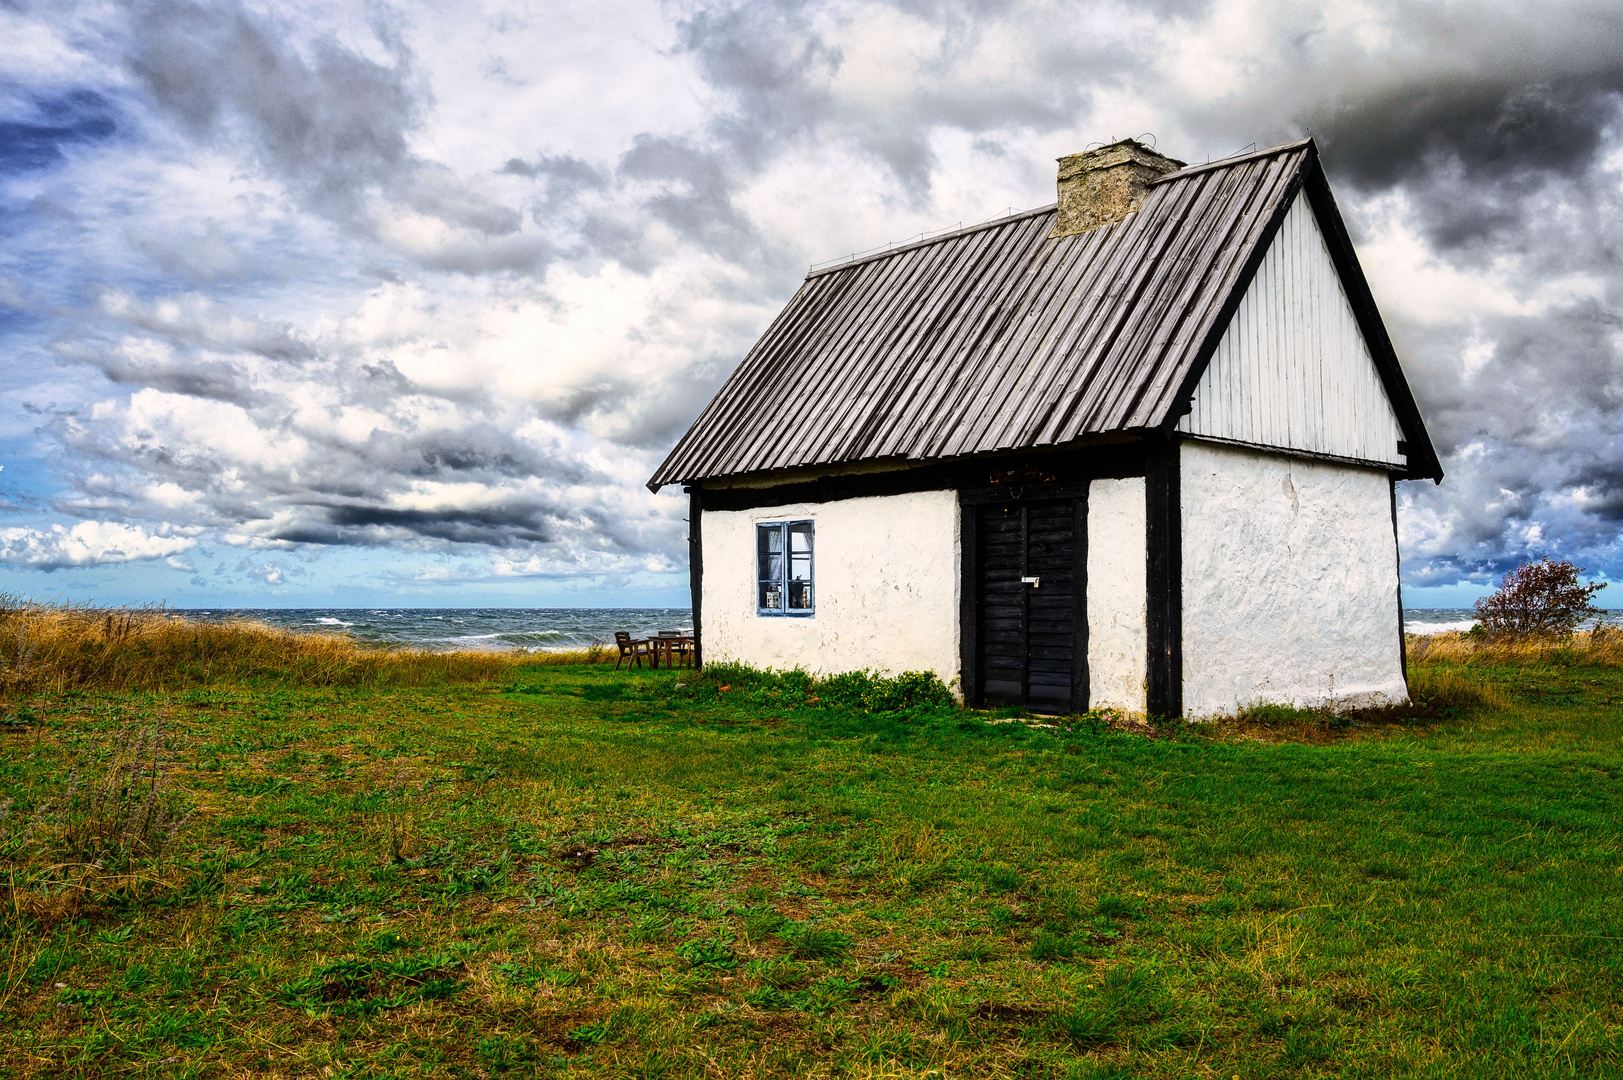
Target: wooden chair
635,648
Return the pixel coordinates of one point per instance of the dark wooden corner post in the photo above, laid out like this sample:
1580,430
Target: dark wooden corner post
1397,548
1081,678
968,613
1164,577
696,569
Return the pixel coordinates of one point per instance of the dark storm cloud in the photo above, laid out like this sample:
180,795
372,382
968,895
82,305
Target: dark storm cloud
566,175
1473,153
1494,131
498,527
481,449
460,458
215,381
1500,139
1508,95
696,194
331,125
777,68
1603,484
346,494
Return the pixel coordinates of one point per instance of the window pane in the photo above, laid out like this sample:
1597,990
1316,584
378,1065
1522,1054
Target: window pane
800,566
800,551
769,553
771,596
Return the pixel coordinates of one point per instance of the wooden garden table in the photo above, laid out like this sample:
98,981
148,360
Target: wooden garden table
668,645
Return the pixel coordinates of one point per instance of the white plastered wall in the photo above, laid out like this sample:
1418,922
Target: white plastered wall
1290,582
886,581
1117,645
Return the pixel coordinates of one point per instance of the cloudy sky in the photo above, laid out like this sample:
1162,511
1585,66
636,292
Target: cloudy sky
394,303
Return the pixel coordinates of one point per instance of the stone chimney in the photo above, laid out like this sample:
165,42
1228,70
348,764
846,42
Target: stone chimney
1100,187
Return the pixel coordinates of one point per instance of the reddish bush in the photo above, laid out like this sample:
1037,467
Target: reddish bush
1541,597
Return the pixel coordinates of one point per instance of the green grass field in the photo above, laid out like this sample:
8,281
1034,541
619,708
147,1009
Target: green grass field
576,872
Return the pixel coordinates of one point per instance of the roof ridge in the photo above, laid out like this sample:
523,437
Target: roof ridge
1020,215
914,245
1223,163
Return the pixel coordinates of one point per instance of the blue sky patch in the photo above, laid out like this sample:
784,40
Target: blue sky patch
34,143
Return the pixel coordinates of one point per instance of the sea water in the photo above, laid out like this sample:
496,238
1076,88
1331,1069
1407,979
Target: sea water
468,628
567,628
1430,620
1437,620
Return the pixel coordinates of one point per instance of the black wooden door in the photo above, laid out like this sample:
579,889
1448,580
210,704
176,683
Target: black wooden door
1030,604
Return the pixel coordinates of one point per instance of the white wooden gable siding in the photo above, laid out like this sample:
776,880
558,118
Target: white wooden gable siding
1293,370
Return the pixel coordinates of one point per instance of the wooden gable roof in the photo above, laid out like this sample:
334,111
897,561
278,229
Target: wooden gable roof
999,338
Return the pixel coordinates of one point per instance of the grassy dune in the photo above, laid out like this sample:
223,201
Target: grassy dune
52,648
568,871
1594,648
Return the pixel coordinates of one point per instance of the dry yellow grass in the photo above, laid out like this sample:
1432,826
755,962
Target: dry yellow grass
1602,646
1439,688
49,648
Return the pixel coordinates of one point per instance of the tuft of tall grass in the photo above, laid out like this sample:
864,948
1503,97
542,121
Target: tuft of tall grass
48,648
103,837
119,806
1436,692
1602,646
1443,692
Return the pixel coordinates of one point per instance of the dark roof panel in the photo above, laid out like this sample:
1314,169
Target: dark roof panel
997,337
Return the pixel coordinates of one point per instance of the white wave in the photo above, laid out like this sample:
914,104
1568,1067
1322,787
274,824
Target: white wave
1423,626
325,621
1416,626
1437,626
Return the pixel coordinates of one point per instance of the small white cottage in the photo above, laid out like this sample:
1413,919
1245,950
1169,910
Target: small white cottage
1138,449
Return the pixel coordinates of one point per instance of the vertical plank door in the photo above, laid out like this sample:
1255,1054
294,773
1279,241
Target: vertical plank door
1029,631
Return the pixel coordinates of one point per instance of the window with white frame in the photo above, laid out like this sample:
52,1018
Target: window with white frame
783,568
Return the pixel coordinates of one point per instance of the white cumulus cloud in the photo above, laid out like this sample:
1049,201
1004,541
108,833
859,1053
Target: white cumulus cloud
90,543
